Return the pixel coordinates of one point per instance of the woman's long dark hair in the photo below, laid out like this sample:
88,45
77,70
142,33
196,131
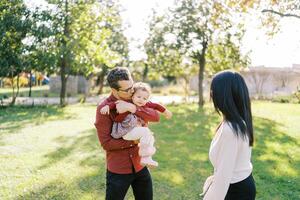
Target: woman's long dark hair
230,96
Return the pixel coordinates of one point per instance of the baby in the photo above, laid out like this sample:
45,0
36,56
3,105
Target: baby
132,127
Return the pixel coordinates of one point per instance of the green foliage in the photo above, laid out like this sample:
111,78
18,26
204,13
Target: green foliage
196,37
293,98
225,54
14,27
271,12
274,10
297,94
98,31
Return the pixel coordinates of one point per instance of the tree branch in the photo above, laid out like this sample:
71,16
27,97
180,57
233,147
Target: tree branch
280,14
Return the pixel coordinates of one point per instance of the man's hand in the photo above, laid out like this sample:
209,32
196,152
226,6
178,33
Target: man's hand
168,114
104,110
123,106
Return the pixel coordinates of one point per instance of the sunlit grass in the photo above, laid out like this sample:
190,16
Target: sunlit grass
54,153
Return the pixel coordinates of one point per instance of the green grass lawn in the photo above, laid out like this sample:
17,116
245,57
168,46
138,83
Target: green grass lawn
54,153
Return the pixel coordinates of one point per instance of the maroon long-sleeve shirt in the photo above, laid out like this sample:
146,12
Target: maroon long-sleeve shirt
122,116
121,155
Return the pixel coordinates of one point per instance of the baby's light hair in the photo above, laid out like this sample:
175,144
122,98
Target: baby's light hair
142,86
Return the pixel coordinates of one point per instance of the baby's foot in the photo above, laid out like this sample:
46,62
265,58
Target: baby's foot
149,162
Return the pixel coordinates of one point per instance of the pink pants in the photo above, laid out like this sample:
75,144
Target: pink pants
147,148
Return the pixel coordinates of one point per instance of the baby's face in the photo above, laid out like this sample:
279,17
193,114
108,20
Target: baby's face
140,97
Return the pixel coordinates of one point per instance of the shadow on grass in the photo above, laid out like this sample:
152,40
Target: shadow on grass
13,119
55,190
276,165
85,145
84,150
59,190
182,152
183,144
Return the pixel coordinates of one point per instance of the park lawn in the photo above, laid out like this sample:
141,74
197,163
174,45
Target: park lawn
54,153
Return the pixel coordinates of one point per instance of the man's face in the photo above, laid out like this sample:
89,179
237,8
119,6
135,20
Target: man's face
125,90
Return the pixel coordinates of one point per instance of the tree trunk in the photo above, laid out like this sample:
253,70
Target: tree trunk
15,95
100,80
100,83
64,62
186,88
36,79
145,72
30,84
201,62
200,84
13,87
63,80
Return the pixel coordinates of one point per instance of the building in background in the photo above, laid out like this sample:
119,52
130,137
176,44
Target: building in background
268,82
263,82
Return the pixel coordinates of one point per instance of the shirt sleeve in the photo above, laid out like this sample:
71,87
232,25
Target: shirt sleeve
112,105
121,116
147,114
228,148
156,106
103,125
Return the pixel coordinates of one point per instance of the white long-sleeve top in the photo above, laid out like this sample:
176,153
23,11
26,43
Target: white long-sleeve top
230,156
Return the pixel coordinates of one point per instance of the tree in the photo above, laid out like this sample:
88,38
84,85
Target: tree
163,58
289,8
39,56
195,27
117,42
78,38
101,42
62,19
14,27
273,11
259,78
225,54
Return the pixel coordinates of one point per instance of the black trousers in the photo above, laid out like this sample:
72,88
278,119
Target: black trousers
243,190
117,185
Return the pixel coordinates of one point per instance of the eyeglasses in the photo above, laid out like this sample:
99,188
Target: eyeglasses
126,90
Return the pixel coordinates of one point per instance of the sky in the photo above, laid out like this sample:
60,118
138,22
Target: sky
282,50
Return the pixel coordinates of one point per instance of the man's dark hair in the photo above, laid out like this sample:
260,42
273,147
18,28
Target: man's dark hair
117,74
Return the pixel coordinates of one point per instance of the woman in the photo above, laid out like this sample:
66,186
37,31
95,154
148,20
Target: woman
230,149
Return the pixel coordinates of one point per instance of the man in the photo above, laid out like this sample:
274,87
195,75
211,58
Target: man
122,158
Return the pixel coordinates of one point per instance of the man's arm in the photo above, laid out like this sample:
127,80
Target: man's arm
103,125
